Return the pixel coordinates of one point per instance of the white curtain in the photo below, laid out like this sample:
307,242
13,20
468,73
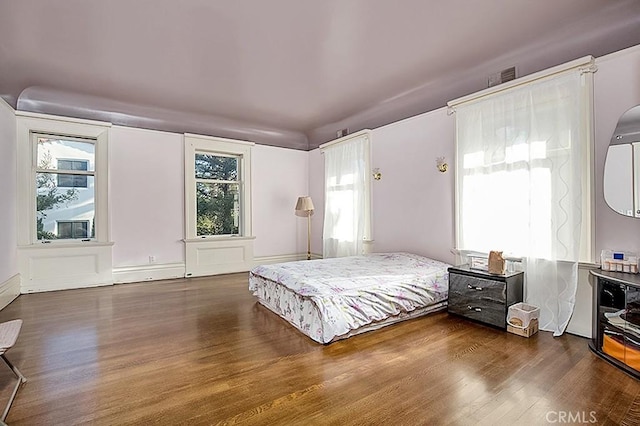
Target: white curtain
346,197
521,162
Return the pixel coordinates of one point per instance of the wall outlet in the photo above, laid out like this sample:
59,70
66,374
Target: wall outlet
152,259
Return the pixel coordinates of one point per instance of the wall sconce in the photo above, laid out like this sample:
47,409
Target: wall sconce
441,164
376,174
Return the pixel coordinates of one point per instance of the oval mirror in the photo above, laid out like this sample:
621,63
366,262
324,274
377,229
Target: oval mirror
622,166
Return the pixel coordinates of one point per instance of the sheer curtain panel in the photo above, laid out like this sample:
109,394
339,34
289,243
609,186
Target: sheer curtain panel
347,206
523,184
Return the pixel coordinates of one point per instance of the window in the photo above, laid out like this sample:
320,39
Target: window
63,204
218,194
62,166
217,205
523,171
64,188
73,229
524,182
217,186
347,215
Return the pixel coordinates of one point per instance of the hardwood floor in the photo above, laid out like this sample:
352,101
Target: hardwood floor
202,351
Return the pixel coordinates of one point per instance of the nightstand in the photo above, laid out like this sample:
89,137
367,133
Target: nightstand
483,297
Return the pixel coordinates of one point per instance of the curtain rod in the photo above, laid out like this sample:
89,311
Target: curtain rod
364,132
584,64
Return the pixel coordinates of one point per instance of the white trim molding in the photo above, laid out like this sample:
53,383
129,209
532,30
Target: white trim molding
283,258
196,144
213,256
27,124
47,268
217,254
9,290
139,273
61,264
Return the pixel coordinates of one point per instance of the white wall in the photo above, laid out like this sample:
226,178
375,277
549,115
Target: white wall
147,198
280,176
8,184
617,88
146,173
413,202
412,205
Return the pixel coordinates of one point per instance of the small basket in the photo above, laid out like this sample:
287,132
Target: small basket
522,319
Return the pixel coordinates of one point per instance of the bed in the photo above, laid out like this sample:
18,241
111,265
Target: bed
332,299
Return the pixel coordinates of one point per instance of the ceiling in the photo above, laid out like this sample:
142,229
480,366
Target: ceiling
285,72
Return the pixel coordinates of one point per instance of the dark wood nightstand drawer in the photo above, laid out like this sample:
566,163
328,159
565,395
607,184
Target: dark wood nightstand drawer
466,286
483,297
486,311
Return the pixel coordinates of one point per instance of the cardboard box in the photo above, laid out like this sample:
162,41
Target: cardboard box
524,331
522,319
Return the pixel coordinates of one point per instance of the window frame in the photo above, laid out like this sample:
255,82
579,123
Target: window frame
29,124
214,181
198,144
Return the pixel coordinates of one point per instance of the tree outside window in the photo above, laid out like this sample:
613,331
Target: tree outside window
218,194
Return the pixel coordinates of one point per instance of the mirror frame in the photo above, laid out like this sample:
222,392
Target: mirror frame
624,176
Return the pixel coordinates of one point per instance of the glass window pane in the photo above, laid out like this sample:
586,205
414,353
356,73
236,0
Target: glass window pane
218,208
79,165
62,154
72,181
80,229
72,229
56,205
65,164
65,181
64,230
209,166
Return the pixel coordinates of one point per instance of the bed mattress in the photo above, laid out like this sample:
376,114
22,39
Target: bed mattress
330,299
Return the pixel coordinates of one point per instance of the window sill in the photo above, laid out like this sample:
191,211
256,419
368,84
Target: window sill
63,245
458,252
213,239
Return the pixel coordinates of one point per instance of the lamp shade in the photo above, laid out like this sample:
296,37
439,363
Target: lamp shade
304,206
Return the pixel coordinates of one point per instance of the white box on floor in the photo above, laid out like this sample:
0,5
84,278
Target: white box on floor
522,319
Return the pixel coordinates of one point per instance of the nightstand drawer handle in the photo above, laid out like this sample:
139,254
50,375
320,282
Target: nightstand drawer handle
472,287
471,308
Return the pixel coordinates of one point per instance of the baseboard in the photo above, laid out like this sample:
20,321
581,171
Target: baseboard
9,290
268,260
167,271
132,274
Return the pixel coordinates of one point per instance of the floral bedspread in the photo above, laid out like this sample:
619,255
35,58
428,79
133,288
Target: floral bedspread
351,292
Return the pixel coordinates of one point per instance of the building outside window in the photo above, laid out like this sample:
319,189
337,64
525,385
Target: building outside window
72,181
73,229
65,194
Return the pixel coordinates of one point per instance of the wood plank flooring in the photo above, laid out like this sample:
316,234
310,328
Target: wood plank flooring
201,351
